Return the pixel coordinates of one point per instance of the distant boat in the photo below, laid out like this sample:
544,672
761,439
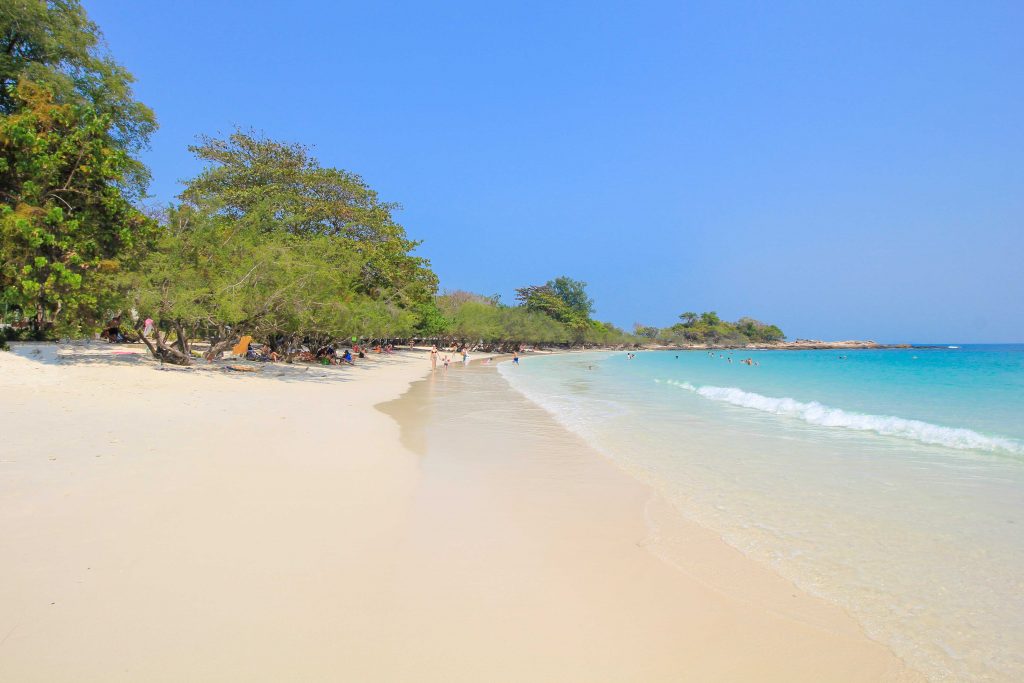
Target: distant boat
952,347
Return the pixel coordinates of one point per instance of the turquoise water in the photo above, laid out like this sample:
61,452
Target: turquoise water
888,481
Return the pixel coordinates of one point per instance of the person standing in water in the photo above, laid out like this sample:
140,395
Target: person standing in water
433,358
515,358
465,356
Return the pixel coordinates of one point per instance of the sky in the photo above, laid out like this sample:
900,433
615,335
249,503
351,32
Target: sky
844,170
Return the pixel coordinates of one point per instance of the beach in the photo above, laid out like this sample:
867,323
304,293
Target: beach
368,523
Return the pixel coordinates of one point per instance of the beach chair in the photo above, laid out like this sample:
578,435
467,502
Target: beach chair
242,346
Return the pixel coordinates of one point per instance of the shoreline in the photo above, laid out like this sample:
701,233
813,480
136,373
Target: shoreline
621,528
192,525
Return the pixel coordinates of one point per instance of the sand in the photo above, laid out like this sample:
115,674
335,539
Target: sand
169,525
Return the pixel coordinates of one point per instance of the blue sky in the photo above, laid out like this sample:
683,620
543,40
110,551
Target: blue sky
846,170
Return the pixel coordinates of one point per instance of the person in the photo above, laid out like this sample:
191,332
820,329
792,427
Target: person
148,327
515,358
325,354
433,358
113,331
465,356
446,360
347,358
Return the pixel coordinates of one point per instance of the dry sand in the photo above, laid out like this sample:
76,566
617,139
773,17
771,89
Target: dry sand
191,525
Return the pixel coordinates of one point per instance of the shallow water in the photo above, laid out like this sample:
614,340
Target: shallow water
888,481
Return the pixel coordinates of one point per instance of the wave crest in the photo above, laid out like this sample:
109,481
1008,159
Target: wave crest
825,416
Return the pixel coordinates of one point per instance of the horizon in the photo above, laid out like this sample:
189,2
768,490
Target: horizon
843,173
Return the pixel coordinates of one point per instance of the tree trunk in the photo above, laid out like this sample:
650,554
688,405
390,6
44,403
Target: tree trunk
182,339
219,346
163,352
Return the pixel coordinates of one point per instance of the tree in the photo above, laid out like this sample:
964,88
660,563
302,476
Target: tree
281,185
573,294
709,328
69,132
543,299
268,244
710,318
65,219
54,44
757,331
645,331
688,318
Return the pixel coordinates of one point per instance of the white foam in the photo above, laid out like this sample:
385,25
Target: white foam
818,414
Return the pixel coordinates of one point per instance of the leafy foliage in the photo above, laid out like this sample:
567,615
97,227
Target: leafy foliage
554,313
65,222
709,328
54,44
69,133
270,244
282,187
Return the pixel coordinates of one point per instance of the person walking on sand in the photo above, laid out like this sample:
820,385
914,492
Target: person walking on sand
433,358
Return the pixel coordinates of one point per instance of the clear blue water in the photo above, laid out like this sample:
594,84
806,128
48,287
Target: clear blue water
888,481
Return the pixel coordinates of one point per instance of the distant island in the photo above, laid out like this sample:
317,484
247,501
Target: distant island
797,345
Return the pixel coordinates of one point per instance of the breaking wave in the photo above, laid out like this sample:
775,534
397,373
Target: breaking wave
824,416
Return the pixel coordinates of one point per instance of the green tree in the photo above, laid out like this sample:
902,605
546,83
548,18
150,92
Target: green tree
688,318
645,331
70,129
65,219
573,294
284,187
54,44
710,318
268,243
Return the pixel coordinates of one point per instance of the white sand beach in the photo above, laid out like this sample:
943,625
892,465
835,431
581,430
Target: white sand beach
189,524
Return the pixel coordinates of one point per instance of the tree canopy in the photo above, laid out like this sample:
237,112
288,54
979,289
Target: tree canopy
70,131
709,328
54,44
269,243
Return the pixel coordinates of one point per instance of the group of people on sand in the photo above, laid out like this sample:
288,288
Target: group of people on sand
446,360
460,351
328,354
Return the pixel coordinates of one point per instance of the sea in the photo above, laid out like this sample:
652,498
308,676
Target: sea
887,481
